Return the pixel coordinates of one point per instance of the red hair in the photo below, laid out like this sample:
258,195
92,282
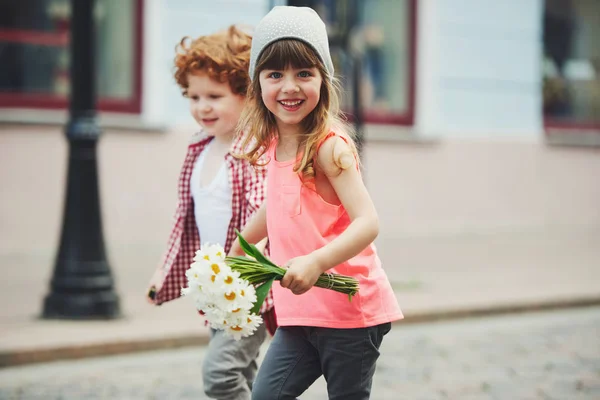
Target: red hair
223,56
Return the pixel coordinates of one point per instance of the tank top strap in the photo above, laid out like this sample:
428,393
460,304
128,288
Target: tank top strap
344,138
330,134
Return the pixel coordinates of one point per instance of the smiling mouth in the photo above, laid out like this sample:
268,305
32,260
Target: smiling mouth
209,121
291,105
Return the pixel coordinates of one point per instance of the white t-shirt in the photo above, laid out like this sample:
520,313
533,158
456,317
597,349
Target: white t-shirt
212,203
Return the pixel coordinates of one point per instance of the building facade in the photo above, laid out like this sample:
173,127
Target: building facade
480,116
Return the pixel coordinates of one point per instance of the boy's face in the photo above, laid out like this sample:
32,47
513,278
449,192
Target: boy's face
290,94
213,105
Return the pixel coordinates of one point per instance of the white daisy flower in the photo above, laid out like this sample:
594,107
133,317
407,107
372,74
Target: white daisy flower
216,278
217,318
194,274
186,291
218,291
247,295
227,279
211,253
242,324
239,295
201,256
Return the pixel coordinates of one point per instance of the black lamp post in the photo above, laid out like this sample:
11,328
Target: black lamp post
82,286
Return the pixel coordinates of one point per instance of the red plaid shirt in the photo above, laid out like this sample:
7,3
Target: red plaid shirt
248,192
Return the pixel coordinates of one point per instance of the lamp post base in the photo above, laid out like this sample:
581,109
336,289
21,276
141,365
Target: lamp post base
96,305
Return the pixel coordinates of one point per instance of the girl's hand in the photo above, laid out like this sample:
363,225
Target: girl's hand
254,232
236,249
262,245
302,273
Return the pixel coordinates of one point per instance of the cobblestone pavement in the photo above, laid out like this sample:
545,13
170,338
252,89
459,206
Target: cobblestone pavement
552,355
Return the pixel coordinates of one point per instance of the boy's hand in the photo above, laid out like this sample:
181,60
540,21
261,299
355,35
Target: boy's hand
155,283
302,273
150,294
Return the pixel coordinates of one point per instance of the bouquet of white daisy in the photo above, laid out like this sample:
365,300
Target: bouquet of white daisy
230,290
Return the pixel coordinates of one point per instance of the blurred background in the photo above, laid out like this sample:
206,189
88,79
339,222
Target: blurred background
480,123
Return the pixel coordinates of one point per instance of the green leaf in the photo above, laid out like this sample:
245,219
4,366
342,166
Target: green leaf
252,251
245,245
261,294
260,257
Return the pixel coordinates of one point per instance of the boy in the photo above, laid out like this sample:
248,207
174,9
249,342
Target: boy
218,193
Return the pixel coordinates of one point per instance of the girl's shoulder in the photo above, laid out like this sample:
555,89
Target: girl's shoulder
336,151
342,131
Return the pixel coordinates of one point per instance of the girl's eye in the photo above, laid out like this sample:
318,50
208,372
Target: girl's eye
275,75
304,74
214,96
193,97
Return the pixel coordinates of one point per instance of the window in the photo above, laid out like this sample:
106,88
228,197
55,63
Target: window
34,54
571,65
385,36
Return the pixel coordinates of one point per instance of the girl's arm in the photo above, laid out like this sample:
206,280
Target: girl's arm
254,231
304,271
355,198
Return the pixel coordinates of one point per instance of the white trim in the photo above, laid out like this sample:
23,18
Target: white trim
154,83
60,117
425,66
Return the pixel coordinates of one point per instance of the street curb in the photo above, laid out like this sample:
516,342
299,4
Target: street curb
492,310
34,356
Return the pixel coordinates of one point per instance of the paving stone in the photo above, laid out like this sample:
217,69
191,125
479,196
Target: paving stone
551,355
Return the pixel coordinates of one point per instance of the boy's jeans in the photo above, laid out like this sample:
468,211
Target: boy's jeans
299,355
230,366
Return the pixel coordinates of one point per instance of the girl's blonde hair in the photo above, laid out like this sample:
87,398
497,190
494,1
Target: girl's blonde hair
259,123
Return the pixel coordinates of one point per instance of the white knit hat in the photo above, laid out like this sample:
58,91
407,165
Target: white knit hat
286,22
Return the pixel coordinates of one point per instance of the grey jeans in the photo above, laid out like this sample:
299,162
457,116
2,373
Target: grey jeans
229,366
299,355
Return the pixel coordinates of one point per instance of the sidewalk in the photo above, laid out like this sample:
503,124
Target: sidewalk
443,277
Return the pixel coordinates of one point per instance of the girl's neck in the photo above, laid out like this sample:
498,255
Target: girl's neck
287,145
288,129
289,140
289,135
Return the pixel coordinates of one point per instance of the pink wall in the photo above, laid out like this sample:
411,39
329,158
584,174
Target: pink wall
452,187
460,186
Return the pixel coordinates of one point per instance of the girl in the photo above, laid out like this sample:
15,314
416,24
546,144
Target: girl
318,216
218,194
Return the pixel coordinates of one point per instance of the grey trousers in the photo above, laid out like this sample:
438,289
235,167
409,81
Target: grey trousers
298,356
229,366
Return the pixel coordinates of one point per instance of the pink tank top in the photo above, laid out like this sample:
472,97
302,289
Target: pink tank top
299,221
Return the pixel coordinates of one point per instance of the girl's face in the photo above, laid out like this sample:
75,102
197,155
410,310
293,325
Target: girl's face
290,94
213,105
